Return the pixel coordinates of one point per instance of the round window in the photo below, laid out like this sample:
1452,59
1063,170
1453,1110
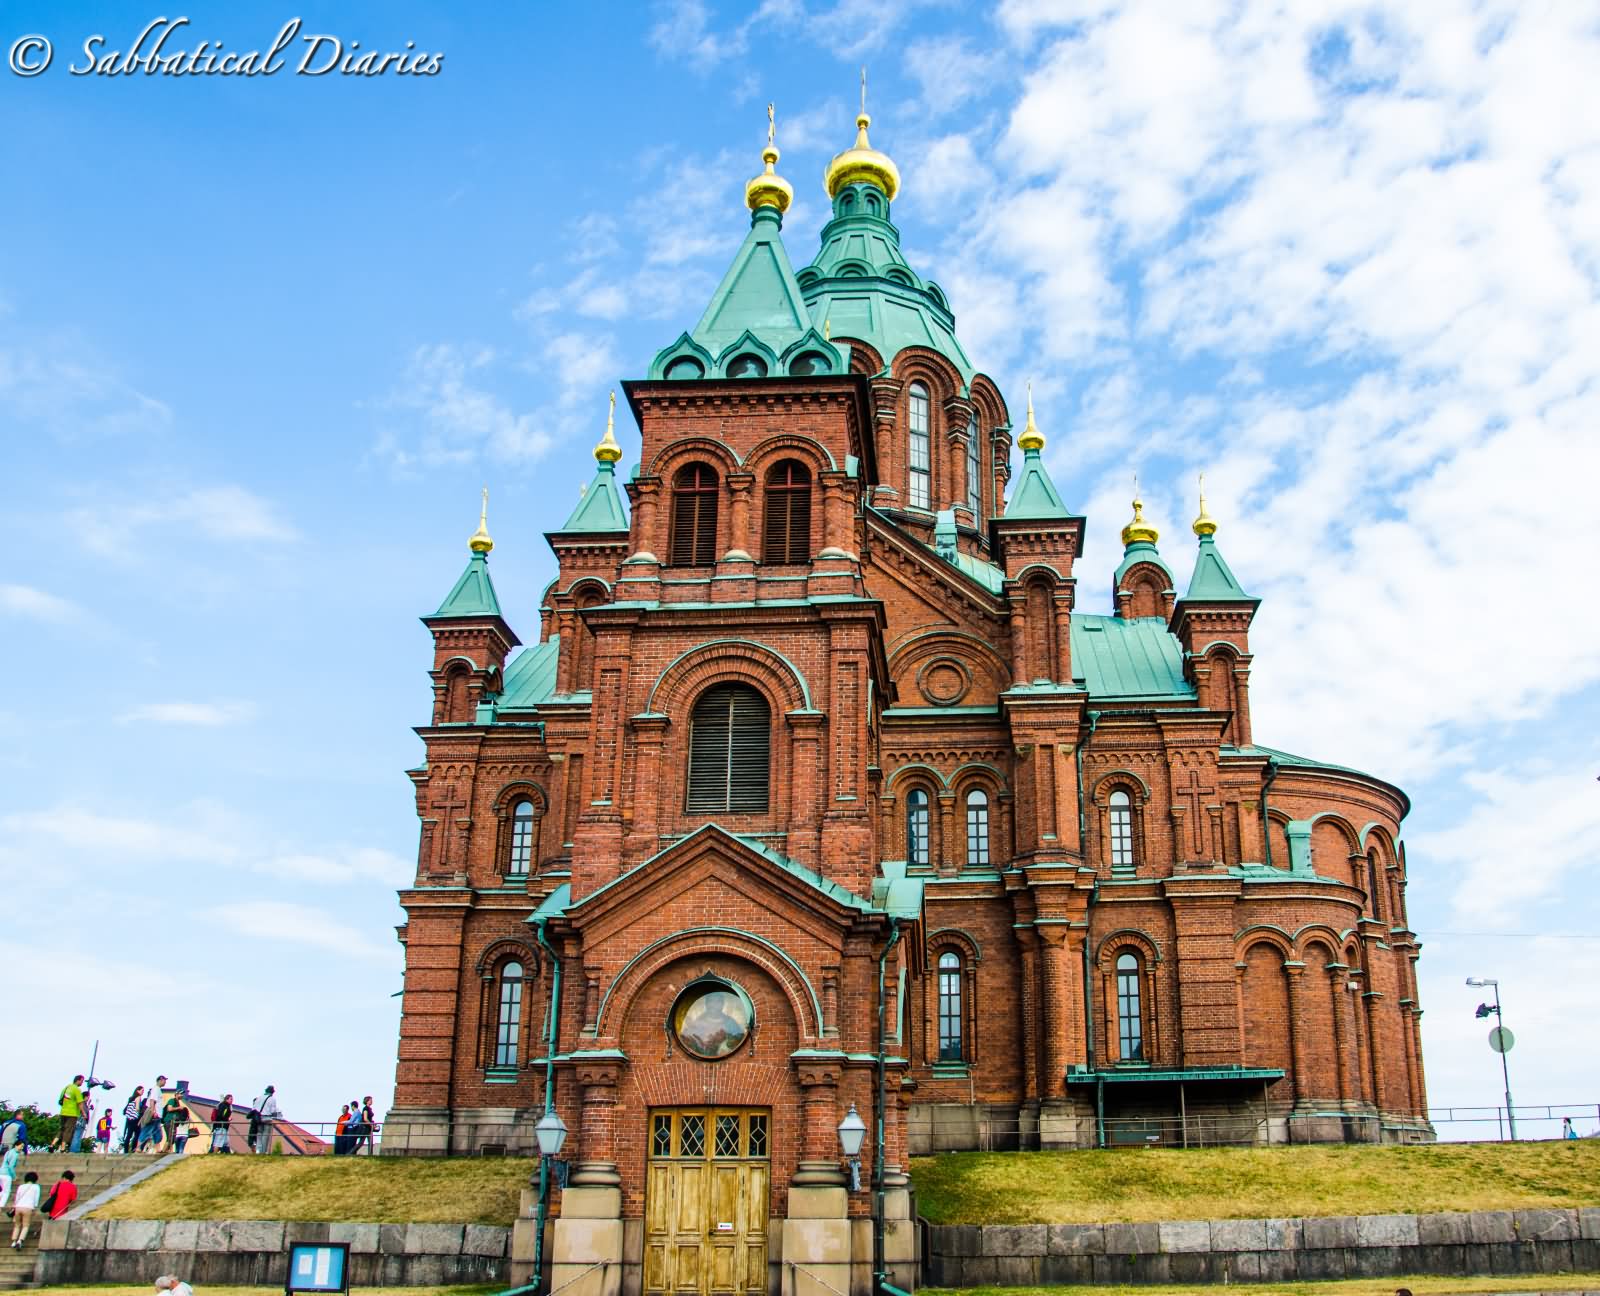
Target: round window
712,1019
809,362
747,366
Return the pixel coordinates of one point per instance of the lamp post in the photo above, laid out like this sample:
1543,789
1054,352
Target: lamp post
1500,1039
852,1130
550,1134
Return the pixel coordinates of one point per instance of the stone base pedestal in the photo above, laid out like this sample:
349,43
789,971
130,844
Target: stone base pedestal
1059,1124
587,1250
899,1232
816,1242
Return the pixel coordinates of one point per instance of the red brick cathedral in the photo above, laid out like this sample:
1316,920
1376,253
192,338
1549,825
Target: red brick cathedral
813,784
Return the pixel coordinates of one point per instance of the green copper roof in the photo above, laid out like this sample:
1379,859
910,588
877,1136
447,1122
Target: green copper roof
600,509
756,310
861,285
1117,658
1139,551
1036,495
553,905
473,595
531,676
1212,581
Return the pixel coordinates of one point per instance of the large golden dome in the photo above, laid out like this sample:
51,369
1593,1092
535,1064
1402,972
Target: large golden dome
862,164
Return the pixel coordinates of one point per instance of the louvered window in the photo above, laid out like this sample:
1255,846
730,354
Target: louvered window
974,472
917,827
921,450
730,750
786,537
694,517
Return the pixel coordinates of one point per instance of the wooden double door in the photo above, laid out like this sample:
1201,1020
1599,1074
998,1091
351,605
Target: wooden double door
706,1200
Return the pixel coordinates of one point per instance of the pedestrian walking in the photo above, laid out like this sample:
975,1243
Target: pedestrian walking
267,1111
131,1111
1567,1132
61,1197
150,1123
22,1214
172,1285
9,1162
71,1107
369,1127
102,1132
341,1143
174,1116
13,1131
221,1130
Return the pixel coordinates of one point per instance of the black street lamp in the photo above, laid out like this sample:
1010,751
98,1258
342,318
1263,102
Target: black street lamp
852,1130
1500,1040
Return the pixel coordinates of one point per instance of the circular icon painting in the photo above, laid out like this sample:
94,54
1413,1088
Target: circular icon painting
711,1019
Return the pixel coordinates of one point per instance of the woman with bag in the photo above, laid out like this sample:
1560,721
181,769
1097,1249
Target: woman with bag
221,1133
130,1118
22,1213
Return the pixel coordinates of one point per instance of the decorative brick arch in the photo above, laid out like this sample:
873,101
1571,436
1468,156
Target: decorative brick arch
504,800
1264,934
720,660
1119,780
503,950
964,946
1151,1027
691,450
789,445
770,957
1127,938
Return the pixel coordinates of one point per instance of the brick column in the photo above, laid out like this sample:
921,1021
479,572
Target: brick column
740,488
1057,1007
1294,970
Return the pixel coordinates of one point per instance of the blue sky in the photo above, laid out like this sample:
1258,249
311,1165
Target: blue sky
263,340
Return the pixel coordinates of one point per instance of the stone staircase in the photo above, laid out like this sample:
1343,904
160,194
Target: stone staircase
93,1174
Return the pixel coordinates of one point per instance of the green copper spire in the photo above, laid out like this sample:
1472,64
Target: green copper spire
1213,581
473,595
600,509
1036,496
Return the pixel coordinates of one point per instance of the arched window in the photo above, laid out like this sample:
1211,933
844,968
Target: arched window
1130,1021
523,822
747,366
920,460
974,472
508,1020
730,750
685,367
694,516
786,536
1372,886
1121,832
950,1016
917,827
977,828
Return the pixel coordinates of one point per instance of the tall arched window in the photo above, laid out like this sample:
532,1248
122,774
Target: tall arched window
950,1016
694,516
917,827
520,862
977,828
1372,887
730,750
786,535
508,1020
920,459
1130,1020
1121,832
974,472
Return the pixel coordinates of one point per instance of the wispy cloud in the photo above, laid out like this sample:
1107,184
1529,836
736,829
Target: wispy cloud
59,385
37,605
203,715
299,924
111,524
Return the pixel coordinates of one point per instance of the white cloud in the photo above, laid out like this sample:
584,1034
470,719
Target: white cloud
111,525
59,385
299,924
37,605
447,385
204,715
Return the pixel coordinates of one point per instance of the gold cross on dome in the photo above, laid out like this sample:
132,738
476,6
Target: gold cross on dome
772,126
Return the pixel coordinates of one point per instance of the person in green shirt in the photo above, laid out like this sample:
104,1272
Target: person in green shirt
71,1108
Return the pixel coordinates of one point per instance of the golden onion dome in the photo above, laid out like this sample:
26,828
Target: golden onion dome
769,189
1031,438
862,163
1205,524
608,451
1139,530
480,542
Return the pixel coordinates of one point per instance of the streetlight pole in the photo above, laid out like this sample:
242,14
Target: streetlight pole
1505,1069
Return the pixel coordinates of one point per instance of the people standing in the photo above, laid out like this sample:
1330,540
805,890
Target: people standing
22,1213
341,1144
267,1110
8,1170
103,1131
1567,1132
150,1123
12,1132
369,1126
174,1114
71,1107
131,1111
221,1132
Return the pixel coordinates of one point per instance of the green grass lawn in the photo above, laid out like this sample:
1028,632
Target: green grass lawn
1343,1287
1139,1184
351,1190
113,1289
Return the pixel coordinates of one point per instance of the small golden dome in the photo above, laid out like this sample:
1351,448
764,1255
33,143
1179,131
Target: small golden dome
1205,524
862,163
1031,438
480,542
608,451
1139,529
769,189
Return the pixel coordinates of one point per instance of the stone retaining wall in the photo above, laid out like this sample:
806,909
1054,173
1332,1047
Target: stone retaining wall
1180,1251
253,1253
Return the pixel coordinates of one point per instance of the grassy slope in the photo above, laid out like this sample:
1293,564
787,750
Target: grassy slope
1346,1287
381,1190
1138,1184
